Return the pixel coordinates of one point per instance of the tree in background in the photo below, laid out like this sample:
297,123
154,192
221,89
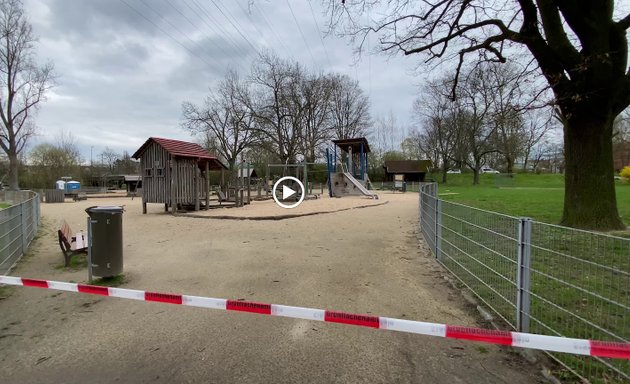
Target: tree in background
109,158
224,121
474,115
438,114
49,162
508,101
282,111
538,124
272,79
125,165
315,93
621,140
350,108
581,50
23,85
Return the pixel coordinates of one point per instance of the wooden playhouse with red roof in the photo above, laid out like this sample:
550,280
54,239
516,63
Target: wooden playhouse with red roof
175,173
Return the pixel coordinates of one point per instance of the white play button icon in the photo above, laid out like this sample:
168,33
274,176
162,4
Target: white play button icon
288,192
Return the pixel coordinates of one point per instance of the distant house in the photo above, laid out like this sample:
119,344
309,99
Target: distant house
411,170
175,173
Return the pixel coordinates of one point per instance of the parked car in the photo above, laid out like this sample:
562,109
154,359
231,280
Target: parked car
454,171
488,170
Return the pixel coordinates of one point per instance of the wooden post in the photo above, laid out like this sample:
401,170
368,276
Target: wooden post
222,188
240,182
207,185
144,200
306,186
249,184
174,186
267,182
197,184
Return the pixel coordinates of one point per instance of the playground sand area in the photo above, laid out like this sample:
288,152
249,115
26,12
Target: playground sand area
365,260
268,209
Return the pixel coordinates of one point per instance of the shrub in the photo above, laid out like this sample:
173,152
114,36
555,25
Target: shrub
625,172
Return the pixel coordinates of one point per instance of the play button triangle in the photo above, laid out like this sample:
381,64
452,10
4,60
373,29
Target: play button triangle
287,192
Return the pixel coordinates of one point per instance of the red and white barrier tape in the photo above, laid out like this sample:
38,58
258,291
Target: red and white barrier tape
615,350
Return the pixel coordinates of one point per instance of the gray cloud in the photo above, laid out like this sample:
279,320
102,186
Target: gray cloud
125,66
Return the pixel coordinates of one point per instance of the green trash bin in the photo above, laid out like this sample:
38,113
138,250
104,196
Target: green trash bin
106,236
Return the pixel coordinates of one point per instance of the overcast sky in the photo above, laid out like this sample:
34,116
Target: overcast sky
125,66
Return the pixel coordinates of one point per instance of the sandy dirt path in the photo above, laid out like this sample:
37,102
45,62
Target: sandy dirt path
361,260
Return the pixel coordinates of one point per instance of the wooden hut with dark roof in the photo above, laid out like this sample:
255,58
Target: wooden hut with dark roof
411,170
175,173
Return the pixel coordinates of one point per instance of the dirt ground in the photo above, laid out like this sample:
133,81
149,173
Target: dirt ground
358,260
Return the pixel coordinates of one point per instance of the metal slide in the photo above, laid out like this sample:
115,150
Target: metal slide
359,186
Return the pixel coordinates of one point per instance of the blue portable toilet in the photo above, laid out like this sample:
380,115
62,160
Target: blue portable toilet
73,186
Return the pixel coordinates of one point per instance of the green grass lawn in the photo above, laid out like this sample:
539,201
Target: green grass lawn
4,205
561,261
537,196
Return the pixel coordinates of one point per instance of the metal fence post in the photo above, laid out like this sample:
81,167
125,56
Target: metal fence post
438,229
23,234
523,272
36,211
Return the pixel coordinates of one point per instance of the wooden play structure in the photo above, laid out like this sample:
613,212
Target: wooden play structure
175,173
347,173
299,171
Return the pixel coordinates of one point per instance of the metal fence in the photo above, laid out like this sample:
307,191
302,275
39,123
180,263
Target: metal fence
410,186
538,277
18,226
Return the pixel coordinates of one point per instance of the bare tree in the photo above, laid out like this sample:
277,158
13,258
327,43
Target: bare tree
413,146
224,121
23,85
388,132
109,157
538,123
316,92
49,162
581,50
272,79
508,104
68,145
474,118
441,129
350,108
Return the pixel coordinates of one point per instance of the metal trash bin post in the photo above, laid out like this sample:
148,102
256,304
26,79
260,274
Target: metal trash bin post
106,245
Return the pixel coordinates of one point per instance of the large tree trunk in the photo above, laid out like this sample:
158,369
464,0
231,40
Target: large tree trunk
510,164
589,191
444,168
475,176
13,172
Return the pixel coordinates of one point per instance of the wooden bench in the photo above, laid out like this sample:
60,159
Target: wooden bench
71,244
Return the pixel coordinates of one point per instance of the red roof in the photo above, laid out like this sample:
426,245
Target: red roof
180,149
